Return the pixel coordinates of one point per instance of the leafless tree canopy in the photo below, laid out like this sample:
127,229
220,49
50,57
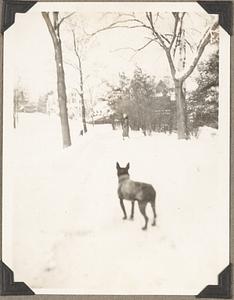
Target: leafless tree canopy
166,30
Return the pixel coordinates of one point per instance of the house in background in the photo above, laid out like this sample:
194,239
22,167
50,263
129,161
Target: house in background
164,107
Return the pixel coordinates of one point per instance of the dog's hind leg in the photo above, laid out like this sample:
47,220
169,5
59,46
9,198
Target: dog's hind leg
154,213
123,209
142,206
132,210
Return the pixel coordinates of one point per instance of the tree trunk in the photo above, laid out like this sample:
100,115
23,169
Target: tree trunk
62,96
180,109
61,87
83,112
82,94
15,106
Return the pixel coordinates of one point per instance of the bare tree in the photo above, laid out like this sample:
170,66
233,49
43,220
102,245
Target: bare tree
54,30
79,68
15,108
171,43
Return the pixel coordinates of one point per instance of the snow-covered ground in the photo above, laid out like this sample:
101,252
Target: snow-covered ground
63,222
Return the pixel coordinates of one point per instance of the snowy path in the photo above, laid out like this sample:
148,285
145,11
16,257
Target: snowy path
69,223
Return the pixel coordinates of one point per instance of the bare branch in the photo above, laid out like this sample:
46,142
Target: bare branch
55,18
111,26
183,14
50,27
79,62
141,22
132,15
204,35
178,36
165,38
156,19
75,46
155,33
138,49
176,16
56,24
203,42
144,46
74,66
114,27
124,48
117,24
64,18
190,46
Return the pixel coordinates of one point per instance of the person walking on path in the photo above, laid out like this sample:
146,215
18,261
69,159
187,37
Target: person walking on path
125,126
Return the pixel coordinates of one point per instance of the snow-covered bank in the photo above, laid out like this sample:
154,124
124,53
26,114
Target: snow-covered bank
66,222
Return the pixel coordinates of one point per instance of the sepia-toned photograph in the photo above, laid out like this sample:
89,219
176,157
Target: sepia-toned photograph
116,148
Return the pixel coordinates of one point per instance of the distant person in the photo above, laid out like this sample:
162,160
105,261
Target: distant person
125,126
112,117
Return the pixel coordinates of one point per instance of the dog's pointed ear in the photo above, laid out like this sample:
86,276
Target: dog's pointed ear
128,165
117,165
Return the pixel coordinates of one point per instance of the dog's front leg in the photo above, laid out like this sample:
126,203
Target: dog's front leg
123,209
132,211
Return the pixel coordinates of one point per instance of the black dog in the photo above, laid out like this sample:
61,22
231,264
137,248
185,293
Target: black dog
135,191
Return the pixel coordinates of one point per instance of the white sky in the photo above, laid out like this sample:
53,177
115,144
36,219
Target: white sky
29,50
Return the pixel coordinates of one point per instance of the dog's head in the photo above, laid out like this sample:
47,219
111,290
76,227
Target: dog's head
122,171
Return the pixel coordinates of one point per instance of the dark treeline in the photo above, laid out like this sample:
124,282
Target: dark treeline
150,106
